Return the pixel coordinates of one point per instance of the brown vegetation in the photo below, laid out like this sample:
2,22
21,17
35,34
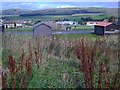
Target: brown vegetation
95,59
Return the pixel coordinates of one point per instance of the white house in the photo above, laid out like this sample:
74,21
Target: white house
9,24
12,24
67,22
19,25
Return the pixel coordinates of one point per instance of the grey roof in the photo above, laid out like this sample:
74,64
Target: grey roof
117,23
39,24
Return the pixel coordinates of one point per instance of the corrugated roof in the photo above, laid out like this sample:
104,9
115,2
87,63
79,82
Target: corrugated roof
104,24
38,24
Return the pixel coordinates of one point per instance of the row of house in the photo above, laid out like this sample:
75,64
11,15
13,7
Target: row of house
12,25
67,22
17,24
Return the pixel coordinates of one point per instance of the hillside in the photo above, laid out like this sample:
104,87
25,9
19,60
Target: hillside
61,11
15,11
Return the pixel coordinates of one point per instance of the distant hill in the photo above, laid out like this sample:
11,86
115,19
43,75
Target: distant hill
15,11
61,11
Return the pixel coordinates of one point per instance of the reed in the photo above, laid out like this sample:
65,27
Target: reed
93,57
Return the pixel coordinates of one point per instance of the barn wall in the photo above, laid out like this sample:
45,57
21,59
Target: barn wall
60,27
99,30
42,30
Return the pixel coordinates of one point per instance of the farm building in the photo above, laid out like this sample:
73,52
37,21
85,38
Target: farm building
54,25
42,29
105,28
60,27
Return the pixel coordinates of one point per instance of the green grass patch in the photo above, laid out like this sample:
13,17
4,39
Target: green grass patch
29,29
82,27
77,36
56,73
58,70
56,17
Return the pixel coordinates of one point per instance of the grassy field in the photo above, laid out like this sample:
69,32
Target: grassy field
77,36
82,27
60,61
55,17
29,29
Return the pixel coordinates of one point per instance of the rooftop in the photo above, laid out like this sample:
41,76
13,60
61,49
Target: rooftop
104,24
38,24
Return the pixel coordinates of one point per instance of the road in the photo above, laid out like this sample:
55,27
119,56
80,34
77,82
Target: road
74,32
56,32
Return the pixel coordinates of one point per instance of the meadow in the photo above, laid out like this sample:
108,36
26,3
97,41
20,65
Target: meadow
30,29
56,17
60,61
82,27
27,29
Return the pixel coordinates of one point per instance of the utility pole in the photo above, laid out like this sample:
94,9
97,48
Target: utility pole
15,22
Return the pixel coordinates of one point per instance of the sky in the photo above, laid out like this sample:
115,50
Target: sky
59,0
47,5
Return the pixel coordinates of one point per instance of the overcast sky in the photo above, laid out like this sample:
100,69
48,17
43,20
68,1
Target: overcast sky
46,5
60,0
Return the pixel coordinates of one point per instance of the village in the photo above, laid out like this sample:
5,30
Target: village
99,27
60,45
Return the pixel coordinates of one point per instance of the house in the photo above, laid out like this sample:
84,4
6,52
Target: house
42,29
67,22
60,26
19,25
9,24
12,25
54,25
105,28
92,23
66,25
51,24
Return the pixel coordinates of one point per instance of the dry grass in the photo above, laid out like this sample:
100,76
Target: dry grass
98,58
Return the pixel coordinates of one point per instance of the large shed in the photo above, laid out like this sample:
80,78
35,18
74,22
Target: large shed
42,29
105,28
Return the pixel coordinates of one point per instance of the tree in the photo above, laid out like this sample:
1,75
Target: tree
15,24
112,19
37,22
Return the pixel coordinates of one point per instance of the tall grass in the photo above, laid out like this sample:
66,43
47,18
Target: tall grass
97,58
